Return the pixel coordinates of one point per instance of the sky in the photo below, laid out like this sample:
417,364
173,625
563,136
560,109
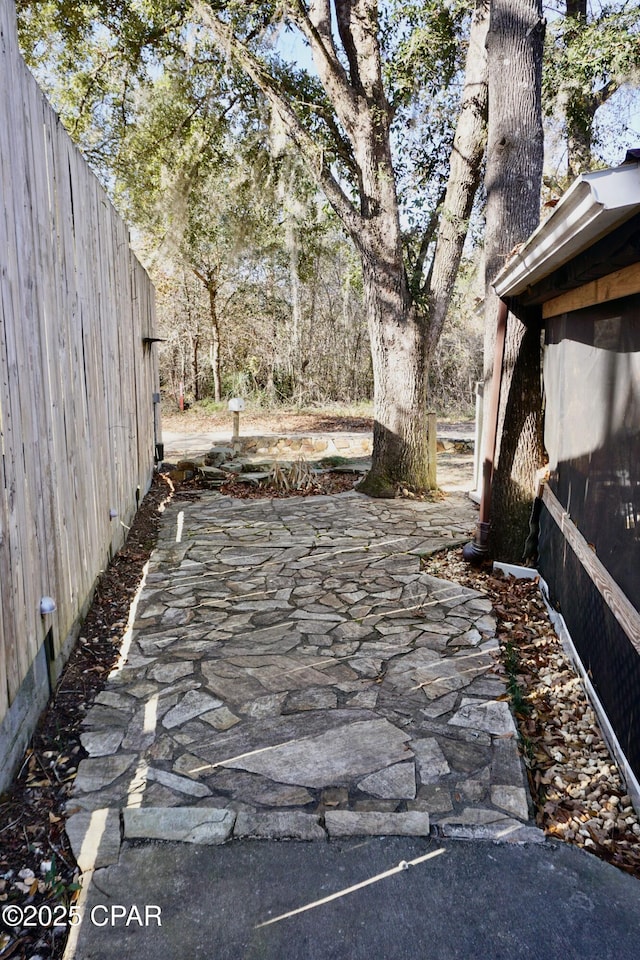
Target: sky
617,127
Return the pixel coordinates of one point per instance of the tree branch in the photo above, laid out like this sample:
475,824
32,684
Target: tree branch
427,238
343,16
200,275
267,83
601,96
342,144
358,29
464,175
325,57
91,81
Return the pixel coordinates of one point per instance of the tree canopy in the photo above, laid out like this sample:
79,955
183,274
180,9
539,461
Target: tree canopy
380,106
372,121
592,50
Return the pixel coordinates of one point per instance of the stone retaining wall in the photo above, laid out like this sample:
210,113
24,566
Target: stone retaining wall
309,447
318,446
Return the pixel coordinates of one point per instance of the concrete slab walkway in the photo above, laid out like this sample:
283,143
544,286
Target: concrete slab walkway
395,898
292,674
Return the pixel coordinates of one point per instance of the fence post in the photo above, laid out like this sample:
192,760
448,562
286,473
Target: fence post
432,450
477,448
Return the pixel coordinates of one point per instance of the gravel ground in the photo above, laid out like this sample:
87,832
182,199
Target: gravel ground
578,792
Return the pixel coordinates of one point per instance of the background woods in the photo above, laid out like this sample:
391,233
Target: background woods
306,184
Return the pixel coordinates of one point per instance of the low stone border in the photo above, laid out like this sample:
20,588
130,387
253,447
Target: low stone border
96,837
311,447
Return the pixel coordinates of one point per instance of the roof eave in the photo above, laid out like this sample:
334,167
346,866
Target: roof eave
594,205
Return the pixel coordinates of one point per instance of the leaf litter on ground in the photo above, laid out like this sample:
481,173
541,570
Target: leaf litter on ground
578,792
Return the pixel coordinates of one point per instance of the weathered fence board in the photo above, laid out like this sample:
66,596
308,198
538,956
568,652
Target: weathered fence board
76,379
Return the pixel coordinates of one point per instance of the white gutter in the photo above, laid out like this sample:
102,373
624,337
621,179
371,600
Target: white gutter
593,206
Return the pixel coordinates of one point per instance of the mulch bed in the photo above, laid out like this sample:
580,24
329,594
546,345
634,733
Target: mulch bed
322,484
577,790
36,863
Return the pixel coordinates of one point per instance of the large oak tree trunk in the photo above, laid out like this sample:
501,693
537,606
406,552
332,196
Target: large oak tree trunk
344,38
398,352
396,327
513,181
404,329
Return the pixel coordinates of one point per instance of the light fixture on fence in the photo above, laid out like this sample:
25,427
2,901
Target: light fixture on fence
47,605
113,513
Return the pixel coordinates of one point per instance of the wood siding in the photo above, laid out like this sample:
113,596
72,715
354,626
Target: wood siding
76,379
613,286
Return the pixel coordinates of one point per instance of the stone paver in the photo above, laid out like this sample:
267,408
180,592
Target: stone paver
187,824
95,838
291,673
349,823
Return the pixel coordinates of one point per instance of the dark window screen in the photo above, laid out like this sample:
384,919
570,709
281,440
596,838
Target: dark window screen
605,650
592,434
592,430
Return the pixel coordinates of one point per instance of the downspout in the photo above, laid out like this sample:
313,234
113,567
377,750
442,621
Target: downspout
476,550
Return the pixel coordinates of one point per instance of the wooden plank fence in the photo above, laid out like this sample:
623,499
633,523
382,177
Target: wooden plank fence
76,379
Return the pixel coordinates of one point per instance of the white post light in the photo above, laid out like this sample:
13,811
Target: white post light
236,404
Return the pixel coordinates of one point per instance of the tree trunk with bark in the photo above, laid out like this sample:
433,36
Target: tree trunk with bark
397,336
405,314
210,280
295,364
465,173
579,104
397,329
212,290
195,363
513,182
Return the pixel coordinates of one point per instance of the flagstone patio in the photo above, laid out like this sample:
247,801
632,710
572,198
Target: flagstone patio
291,673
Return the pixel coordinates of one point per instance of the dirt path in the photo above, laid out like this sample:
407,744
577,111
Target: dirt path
276,421
288,422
